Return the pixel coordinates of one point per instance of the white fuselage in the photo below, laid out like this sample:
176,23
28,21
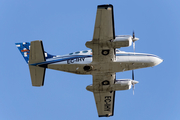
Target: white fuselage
124,61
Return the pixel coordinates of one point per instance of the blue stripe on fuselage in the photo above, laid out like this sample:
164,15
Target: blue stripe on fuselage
61,60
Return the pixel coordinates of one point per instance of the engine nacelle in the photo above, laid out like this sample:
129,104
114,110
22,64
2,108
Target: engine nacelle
122,41
120,84
119,41
123,84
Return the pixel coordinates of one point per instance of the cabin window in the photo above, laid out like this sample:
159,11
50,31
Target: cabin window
77,52
85,51
70,53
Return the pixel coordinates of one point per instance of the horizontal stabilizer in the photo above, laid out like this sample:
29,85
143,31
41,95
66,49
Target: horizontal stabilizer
36,52
37,56
37,75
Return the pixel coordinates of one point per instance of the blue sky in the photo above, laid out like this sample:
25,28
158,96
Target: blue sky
64,27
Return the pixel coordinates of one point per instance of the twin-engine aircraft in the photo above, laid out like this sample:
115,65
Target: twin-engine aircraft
102,61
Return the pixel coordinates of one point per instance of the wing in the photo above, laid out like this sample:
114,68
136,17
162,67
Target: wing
103,55
104,97
105,103
103,33
104,25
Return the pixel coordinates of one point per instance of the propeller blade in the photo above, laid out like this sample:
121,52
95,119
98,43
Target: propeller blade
133,81
132,74
134,46
133,39
133,34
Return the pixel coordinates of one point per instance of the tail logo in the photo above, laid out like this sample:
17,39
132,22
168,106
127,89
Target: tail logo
24,48
25,51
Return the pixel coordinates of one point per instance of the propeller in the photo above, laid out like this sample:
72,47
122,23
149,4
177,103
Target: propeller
134,39
132,74
133,82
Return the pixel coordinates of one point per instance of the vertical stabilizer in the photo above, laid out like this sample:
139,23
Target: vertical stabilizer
24,49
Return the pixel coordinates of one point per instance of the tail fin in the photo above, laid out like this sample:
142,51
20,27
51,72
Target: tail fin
24,48
35,55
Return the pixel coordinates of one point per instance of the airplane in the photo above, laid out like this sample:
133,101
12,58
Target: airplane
102,61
